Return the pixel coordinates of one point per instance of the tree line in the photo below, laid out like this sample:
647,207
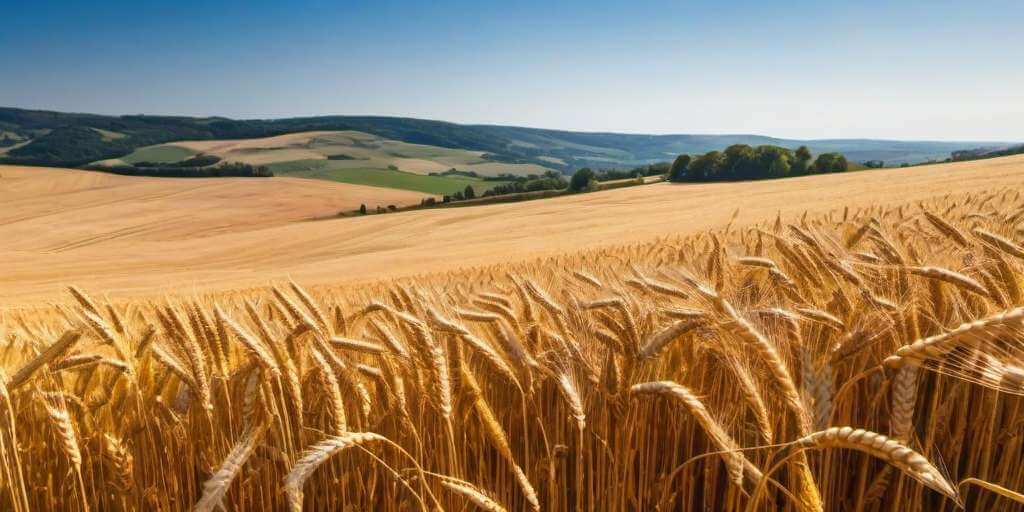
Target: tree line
233,169
743,162
582,180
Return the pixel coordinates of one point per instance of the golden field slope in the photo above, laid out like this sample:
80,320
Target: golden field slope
80,208
867,359
228,251
60,214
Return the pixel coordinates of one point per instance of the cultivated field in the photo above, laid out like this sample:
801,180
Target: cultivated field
403,244
347,157
46,213
860,351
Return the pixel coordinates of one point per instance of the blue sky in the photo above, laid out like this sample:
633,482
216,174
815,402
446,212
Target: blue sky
935,69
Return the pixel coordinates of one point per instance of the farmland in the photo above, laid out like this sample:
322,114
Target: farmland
395,245
165,153
344,157
511,257
782,348
342,149
333,170
61,211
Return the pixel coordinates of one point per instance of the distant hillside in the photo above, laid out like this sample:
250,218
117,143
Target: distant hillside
979,153
62,139
343,156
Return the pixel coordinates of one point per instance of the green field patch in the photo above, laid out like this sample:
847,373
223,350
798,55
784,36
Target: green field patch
486,168
298,166
159,154
387,178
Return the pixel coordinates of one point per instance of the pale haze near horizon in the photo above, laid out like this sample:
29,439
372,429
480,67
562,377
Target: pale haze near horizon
937,70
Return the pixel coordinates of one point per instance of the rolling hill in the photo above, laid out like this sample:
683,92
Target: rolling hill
346,157
133,236
61,139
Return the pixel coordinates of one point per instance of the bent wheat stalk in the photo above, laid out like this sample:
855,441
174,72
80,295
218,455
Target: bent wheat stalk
54,351
893,452
217,485
737,464
317,455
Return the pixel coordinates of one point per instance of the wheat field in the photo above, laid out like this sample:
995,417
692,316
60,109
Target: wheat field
127,240
865,358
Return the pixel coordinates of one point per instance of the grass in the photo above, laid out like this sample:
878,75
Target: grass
162,154
299,166
826,361
327,170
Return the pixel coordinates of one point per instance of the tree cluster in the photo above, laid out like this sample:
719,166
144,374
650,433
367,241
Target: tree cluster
548,181
655,169
743,162
233,169
463,195
583,180
455,172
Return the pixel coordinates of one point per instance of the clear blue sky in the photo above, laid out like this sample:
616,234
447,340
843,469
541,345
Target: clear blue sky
935,69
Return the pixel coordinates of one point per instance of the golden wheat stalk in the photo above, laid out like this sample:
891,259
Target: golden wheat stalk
908,461
316,455
52,352
217,485
738,465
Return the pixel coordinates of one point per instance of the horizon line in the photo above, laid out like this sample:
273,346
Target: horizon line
499,125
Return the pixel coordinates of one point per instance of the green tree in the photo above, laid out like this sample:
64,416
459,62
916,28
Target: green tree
830,162
841,164
706,166
469,193
583,180
802,162
362,209
678,170
740,163
773,161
